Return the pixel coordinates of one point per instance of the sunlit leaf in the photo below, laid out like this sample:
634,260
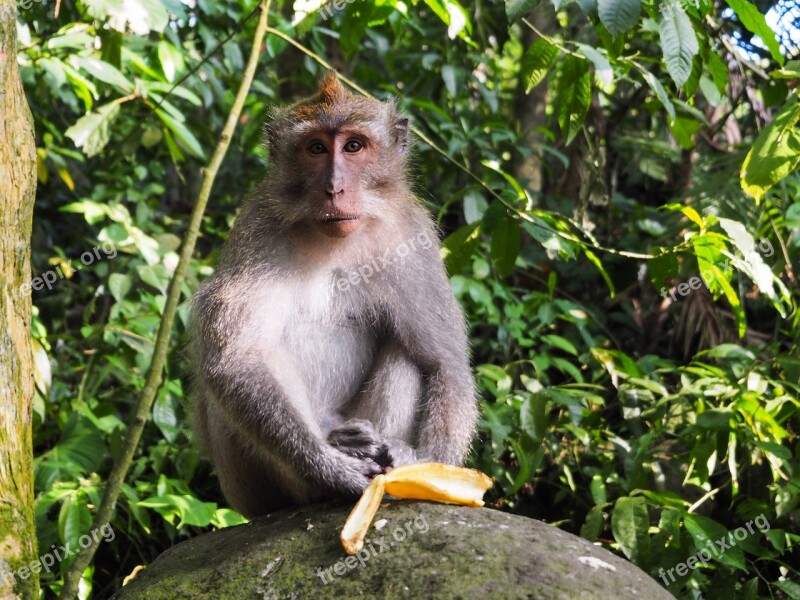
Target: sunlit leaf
678,42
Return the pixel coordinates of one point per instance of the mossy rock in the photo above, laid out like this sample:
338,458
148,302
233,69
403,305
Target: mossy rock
414,550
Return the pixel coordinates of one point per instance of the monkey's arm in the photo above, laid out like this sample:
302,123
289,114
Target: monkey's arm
429,323
264,412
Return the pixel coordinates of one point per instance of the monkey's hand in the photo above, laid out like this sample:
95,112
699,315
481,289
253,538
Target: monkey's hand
401,453
358,438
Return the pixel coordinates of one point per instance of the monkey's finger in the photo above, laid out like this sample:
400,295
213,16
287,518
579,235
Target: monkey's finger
355,529
438,482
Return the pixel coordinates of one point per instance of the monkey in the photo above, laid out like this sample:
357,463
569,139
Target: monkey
327,346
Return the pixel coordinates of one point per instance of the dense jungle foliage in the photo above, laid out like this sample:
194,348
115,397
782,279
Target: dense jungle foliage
617,190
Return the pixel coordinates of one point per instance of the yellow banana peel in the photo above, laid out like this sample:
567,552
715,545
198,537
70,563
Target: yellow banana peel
357,524
424,481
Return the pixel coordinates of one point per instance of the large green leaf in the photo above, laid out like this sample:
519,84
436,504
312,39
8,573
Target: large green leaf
754,21
99,69
712,537
573,96
91,132
678,42
619,15
775,154
536,63
630,524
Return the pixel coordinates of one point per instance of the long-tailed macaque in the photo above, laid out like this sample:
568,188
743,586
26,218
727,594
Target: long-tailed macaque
328,346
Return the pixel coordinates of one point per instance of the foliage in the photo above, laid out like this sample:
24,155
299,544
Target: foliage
632,307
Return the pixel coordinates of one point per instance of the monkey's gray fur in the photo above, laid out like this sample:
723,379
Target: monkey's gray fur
305,388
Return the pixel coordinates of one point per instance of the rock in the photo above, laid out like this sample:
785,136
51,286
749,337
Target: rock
414,550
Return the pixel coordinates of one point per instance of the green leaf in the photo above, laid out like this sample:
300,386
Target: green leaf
791,70
74,519
91,132
593,525
78,452
755,22
655,85
171,60
191,510
119,285
574,95
678,41
533,417
775,153
505,245
516,9
536,63
706,533
619,15
103,71
720,419
165,415
753,264
453,15
603,73
457,248
182,134
561,343
354,26
449,78
683,130
718,71
595,260
629,525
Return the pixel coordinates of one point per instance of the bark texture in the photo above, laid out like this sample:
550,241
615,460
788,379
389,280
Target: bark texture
17,189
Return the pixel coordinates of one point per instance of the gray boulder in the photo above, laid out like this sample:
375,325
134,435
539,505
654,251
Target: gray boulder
413,550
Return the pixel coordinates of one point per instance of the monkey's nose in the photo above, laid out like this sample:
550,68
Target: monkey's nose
333,190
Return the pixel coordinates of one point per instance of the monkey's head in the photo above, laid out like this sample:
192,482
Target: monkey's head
336,160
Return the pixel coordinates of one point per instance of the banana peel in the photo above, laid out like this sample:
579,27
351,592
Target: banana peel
357,524
423,481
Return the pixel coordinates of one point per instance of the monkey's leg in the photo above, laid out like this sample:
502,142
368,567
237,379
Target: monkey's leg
272,420
389,403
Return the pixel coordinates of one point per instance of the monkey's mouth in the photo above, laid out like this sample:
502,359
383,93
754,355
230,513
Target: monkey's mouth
338,225
328,218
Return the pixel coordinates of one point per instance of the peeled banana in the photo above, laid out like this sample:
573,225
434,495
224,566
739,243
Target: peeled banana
424,481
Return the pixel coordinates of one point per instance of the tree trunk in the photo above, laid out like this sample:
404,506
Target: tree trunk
17,189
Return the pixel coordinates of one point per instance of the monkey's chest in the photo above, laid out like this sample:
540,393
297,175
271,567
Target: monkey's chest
334,352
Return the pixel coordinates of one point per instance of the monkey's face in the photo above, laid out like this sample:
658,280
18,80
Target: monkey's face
335,165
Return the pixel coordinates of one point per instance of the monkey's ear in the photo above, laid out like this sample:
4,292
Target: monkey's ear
401,134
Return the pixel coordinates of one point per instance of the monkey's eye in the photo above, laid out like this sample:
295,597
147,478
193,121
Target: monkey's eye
317,148
353,146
